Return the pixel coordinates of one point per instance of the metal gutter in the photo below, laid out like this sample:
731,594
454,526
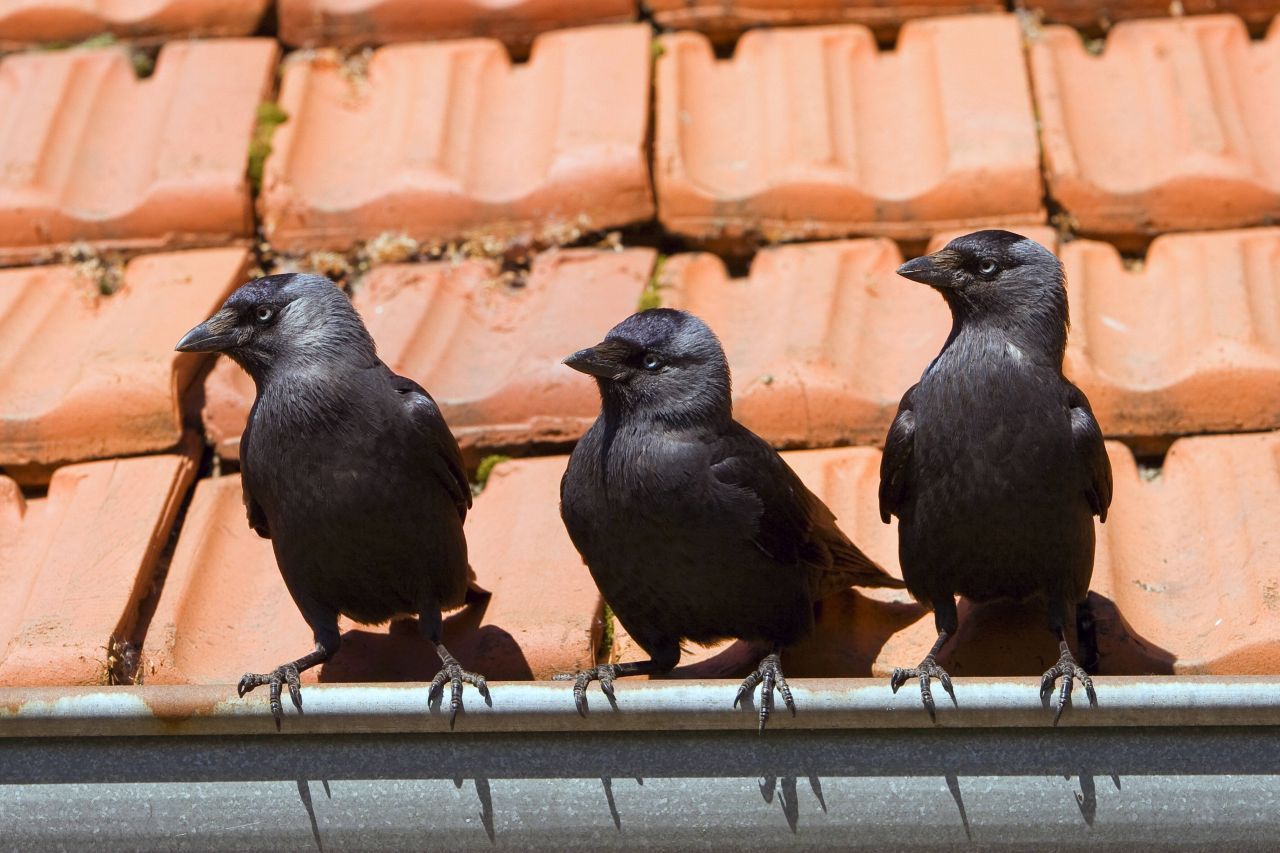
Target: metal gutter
1172,762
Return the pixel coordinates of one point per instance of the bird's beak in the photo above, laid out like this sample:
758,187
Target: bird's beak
213,335
595,361
934,270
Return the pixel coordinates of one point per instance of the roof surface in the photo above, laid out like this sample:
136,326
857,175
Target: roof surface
492,214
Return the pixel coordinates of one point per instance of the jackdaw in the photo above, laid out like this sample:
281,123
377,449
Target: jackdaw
349,470
994,464
693,527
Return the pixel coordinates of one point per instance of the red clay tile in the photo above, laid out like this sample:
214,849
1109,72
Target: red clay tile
814,132
224,608
447,139
822,338
1189,342
1187,578
90,153
723,19
86,376
1094,14
489,352
74,565
26,21
1173,126
356,22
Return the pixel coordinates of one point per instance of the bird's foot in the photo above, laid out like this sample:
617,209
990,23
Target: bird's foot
452,672
769,674
926,671
1068,670
604,673
276,679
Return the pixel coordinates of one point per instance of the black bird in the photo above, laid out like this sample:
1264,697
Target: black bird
349,470
693,527
994,464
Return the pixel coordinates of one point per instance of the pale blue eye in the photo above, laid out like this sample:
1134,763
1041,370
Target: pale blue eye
651,361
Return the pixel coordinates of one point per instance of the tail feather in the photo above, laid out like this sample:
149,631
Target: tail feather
847,566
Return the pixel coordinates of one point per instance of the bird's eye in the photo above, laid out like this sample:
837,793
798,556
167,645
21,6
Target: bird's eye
264,313
651,361
987,267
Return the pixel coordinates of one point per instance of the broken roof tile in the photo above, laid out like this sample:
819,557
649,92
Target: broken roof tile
75,564
488,348
225,609
357,22
83,375
815,132
725,19
446,139
1189,341
1172,126
27,21
89,153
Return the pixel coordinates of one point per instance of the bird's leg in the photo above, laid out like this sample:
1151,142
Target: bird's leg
768,673
452,671
1069,670
288,674
663,661
927,669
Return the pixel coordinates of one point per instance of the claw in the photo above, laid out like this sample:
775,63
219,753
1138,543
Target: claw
1068,670
275,681
927,670
453,673
769,675
604,673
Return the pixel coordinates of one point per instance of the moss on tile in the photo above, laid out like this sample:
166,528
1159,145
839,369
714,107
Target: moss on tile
485,468
270,116
652,295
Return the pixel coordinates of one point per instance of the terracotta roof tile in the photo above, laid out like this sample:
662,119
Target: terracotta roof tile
1094,14
225,610
90,153
441,140
814,132
1185,579
75,564
723,19
822,338
1188,342
489,352
354,22
73,20
86,376
1171,127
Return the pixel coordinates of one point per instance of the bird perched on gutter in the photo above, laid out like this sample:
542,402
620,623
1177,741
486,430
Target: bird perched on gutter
349,470
994,464
693,527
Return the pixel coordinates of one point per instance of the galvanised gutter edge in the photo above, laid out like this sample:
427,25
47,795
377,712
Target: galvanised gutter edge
824,704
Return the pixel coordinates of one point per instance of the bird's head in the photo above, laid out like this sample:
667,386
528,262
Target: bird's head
279,318
992,274
661,362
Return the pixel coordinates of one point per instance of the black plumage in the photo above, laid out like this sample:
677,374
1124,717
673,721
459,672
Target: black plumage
994,464
693,527
349,470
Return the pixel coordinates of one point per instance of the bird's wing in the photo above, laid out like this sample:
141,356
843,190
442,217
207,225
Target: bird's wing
1086,436
441,452
257,518
789,522
897,455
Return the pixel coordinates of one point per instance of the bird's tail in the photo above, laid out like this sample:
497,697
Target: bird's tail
850,567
